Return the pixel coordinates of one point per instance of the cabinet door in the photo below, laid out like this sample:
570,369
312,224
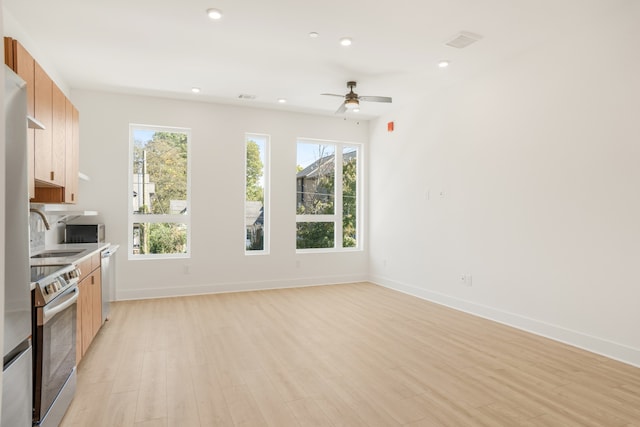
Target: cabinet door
43,112
96,302
24,66
80,307
58,135
72,156
86,297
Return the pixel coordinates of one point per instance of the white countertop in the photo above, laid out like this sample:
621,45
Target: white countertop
88,249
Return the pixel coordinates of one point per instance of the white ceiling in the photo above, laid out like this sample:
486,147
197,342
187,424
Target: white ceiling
262,48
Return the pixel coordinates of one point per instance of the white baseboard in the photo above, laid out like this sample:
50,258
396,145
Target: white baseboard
590,343
216,288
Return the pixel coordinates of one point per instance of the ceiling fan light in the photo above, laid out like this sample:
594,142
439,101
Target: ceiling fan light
351,104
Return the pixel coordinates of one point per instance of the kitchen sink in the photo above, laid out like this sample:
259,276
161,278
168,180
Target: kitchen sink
56,254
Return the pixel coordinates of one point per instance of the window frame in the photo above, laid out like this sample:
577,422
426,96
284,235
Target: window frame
266,173
133,218
337,217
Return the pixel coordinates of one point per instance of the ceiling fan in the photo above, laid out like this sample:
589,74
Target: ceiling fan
352,99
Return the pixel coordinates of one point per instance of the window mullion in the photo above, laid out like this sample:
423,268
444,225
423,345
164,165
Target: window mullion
337,231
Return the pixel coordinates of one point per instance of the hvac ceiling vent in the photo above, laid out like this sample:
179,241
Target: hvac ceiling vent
463,39
246,96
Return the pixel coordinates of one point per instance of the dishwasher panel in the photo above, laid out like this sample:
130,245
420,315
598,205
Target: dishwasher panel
108,272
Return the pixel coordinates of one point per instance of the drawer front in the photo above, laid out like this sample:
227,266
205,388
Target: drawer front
85,268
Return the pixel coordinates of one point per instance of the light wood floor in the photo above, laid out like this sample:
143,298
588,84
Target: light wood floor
347,355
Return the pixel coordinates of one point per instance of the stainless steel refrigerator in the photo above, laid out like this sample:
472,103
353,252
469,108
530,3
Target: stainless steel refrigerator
17,386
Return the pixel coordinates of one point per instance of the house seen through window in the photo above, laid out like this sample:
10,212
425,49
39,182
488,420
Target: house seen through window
159,216
256,205
327,189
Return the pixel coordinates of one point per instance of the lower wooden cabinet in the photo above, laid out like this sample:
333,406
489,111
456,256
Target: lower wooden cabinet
89,312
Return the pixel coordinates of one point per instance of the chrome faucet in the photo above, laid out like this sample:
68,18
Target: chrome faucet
43,216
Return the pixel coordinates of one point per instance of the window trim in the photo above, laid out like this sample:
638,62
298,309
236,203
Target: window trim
156,218
337,216
266,194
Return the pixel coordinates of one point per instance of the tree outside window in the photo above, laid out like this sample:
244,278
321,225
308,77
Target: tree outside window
159,216
256,194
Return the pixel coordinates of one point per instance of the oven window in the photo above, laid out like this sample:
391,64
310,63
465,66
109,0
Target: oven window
58,354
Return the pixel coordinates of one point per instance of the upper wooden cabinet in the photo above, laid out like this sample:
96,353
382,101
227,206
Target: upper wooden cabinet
23,64
54,151
44,114
72,168
58,137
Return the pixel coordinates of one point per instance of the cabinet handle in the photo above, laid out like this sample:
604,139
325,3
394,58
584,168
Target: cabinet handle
93,282
73,196
52,175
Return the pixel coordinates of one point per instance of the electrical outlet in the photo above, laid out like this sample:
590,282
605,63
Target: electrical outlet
466,279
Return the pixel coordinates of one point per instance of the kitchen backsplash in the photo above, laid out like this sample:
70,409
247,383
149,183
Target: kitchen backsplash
36,233
39,236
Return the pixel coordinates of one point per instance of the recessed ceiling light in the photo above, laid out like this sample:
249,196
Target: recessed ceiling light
346,41
214,13
443,64
195,89
282,100
314,35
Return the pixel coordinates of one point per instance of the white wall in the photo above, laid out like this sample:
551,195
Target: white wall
538,167
218,262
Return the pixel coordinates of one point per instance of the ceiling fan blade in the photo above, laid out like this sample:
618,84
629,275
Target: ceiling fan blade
342,109
332,94
375,98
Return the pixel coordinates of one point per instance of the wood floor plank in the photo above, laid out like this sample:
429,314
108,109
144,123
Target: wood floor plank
342,355
212,407
152,395
242,406
309,413
120,410
271,405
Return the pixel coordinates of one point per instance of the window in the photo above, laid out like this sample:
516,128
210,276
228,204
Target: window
256,205
159,210
327,209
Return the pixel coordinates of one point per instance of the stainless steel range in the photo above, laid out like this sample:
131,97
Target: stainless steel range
54,341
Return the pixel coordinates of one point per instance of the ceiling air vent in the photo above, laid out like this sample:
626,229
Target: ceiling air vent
463,39
246,96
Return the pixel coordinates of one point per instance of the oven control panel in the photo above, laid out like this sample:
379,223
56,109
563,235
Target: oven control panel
53,287
50,281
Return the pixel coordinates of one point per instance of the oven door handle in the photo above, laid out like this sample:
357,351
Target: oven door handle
66,301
